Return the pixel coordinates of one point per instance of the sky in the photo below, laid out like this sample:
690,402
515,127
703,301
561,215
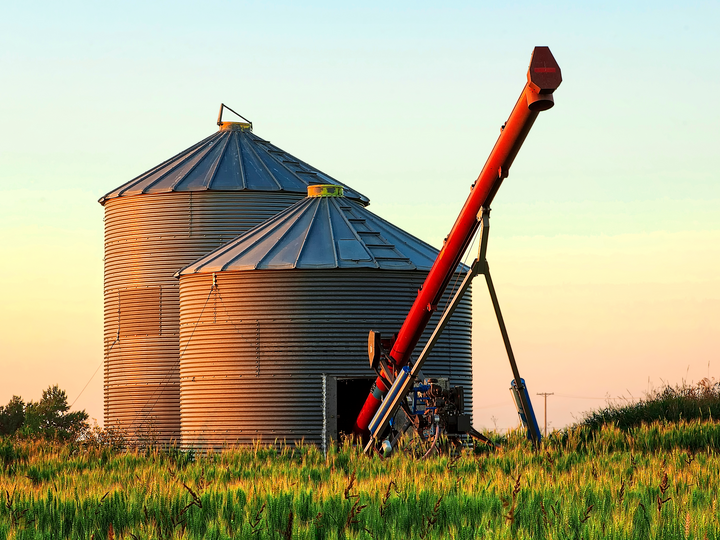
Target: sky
605,238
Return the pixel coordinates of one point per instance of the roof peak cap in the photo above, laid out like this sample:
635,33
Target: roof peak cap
232,126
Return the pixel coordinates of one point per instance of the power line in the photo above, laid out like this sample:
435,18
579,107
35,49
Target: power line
86,384
503,404
176,365
96,370
581,397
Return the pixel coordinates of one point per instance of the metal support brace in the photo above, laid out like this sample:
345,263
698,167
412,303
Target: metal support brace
484,269
479,266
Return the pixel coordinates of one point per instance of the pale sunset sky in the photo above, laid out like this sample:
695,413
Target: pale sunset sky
605,238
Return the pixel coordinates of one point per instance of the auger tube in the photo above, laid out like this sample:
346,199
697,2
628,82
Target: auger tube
543,78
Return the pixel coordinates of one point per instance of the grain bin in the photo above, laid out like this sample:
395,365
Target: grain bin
161,221
273,325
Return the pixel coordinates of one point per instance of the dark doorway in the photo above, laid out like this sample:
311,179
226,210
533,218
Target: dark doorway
351,396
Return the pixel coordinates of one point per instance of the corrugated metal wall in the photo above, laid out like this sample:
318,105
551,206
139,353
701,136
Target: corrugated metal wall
253,351
147,239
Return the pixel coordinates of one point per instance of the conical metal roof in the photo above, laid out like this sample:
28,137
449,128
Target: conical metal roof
320,232
233,159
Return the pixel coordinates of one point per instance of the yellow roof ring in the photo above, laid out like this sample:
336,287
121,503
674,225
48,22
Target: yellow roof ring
325,190
235,126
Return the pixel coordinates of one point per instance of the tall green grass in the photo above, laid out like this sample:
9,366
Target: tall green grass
654,481
669,403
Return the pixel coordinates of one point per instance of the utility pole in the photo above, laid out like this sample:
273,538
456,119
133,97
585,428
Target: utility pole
546,394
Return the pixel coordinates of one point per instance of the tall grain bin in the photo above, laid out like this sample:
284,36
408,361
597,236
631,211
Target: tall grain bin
273,325
161,221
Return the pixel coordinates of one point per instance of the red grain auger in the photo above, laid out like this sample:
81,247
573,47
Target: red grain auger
400,399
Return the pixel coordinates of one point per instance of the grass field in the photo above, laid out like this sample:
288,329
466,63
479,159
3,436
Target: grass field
657,481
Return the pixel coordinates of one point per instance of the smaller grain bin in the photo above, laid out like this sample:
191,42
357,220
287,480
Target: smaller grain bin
273,325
